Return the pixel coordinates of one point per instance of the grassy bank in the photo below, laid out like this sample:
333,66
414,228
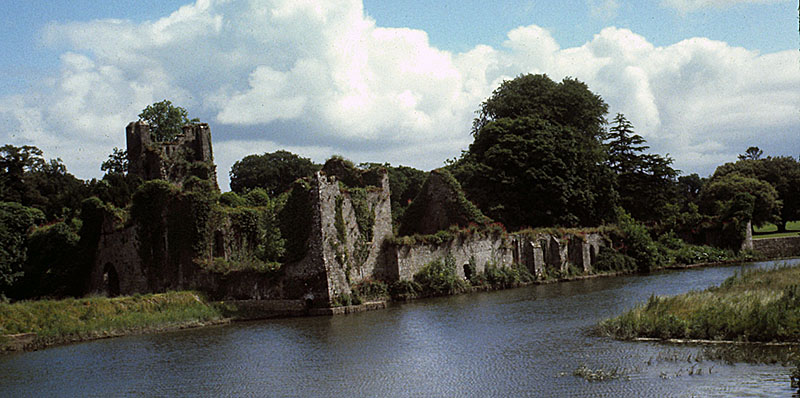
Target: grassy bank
62,321
758,305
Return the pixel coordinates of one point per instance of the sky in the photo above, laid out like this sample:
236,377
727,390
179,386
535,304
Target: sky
394,81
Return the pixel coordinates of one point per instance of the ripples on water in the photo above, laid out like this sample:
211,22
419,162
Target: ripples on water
519,342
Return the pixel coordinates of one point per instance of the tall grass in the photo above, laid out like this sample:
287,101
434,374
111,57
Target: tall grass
56,321
758,305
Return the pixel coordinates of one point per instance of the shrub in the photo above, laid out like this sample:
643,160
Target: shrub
610,260
439,278
371,290
404,290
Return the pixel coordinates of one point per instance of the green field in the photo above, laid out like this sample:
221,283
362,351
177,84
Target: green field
771,230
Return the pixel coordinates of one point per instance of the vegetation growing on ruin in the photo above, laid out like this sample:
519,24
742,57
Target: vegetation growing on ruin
758,305
439,278
295,220
458,209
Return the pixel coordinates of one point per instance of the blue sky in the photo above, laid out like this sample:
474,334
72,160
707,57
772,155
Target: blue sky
394,81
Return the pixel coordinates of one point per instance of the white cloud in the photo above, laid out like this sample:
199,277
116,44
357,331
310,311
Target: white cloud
686,6
321,78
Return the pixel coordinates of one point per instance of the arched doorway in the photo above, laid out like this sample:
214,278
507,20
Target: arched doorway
110,280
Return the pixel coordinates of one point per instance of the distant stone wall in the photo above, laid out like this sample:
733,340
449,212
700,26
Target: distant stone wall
409,259
540,254
778,247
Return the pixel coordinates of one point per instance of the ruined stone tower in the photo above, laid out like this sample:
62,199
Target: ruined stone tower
188,154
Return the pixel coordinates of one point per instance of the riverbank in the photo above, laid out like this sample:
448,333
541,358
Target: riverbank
33,325
753,306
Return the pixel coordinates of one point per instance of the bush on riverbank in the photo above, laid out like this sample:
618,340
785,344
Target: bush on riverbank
57,321
439,278
758,305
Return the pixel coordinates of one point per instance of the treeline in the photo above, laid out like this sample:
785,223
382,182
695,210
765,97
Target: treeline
543,155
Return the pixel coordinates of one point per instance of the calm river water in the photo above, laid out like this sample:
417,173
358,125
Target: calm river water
519,342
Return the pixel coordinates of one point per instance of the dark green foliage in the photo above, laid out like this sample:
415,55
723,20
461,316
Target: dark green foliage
402,290
675,251
115,188
537,158
117,162
610,260
637,243
257,197
26,178
645,182
528,171
54,267
405,182
569,103
274,172
439,278
721,189
782,172
232,199
506,277
371,290
344,170
166,121
295,221
149,211
458,210
257,228
15,221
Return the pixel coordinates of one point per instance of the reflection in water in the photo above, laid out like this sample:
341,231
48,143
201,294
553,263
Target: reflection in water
530,342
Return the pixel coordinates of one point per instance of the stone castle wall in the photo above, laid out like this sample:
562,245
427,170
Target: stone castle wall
778,247
540,254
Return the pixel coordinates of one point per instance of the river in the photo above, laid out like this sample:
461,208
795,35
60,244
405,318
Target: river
519,342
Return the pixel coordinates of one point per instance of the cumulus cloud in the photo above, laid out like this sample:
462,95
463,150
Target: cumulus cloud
321,78
686,6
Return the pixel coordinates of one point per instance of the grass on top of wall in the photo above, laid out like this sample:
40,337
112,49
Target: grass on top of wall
59,321
757,305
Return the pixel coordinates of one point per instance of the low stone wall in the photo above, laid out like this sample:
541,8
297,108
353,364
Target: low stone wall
540,253
483,249
778,247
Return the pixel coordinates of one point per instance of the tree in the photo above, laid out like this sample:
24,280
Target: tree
782,172
645,182
718,194
28,179
166,121
15,221
752,153
117,162
275,172
537,157
15,164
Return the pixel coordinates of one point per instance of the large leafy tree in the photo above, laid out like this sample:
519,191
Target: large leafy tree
718,194
15,221
26,178
166,120
274,172
537,158
782,172
646,183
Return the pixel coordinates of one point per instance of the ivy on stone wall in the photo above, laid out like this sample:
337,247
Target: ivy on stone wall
295,220
365,216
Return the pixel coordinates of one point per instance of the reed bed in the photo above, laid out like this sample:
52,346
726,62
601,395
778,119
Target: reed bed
756,306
